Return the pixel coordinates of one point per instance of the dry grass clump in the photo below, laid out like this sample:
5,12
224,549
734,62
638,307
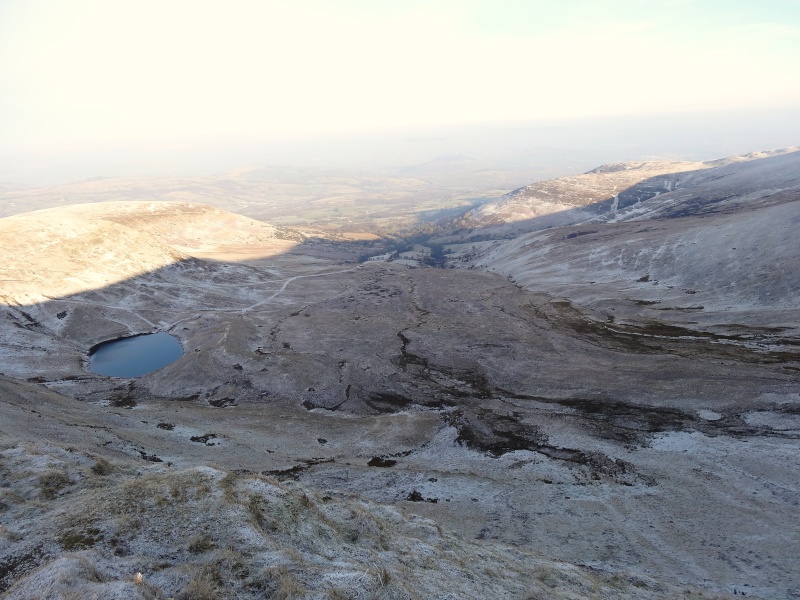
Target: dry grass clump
52,483
102,467
289,587
279,582
200,543
9,534
80,539
206,584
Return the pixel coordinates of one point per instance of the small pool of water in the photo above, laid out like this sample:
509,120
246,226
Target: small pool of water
135,356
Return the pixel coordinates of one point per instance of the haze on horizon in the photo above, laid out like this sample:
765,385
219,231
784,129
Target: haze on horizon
320,82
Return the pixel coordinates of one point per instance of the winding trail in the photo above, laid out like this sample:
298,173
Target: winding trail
284,286
230,310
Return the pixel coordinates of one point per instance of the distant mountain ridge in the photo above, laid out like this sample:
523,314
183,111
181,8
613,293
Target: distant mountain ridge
604,193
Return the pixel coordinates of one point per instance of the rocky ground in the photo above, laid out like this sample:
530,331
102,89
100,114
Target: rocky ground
104,528
526,420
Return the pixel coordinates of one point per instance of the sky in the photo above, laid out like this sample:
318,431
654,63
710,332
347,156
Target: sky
100,71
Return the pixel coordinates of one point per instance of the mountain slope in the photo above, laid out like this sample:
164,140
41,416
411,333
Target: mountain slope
719,252
763,179
583,192
622,191
79,522
63,251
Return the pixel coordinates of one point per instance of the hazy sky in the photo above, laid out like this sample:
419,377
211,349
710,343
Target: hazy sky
99,70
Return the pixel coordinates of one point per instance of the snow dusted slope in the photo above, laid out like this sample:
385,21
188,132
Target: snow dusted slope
721,249
731,186
78,525
580,194
610,192
93,264
508,416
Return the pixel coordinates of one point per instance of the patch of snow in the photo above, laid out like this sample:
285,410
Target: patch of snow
709,415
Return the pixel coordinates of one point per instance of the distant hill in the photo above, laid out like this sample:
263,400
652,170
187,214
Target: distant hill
622,191
61,251
717,245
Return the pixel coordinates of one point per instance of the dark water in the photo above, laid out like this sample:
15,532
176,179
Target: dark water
135,356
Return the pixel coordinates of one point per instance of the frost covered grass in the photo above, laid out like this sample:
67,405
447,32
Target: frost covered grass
75,525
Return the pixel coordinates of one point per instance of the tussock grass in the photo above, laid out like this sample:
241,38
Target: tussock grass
52,483
9,534
205,584
199,544
79,539
289,587
102,467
